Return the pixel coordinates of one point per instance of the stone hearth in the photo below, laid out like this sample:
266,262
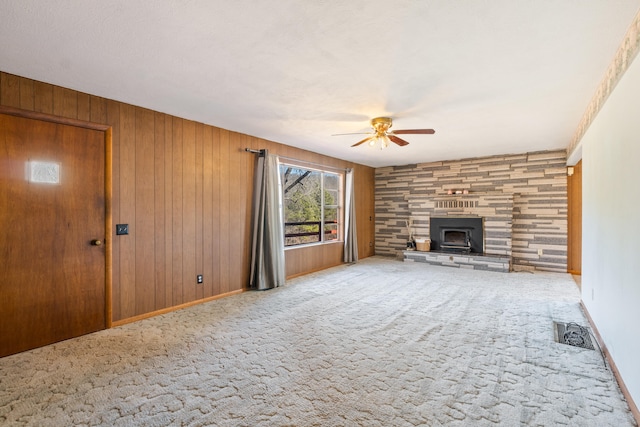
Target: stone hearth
470,261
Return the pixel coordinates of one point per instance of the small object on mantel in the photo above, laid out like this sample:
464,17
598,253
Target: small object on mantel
450,192
465,191
458,191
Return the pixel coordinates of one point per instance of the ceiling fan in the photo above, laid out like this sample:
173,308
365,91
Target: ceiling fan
382,135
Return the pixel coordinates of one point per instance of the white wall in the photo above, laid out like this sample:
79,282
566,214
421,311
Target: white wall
611,225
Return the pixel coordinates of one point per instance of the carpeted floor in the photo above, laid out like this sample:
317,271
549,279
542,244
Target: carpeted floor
379,343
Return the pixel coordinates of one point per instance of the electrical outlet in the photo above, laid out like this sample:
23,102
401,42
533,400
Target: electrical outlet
539,252
122,229
199,278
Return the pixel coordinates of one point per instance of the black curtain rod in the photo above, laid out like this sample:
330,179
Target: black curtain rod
250,150
317,165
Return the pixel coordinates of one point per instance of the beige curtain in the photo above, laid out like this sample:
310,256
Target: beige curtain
267,250
350,237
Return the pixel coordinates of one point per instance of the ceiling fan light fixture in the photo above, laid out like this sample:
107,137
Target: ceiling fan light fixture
382,136
381,140
381,124
384,141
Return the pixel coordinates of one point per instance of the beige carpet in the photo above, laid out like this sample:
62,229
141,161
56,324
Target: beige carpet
380,343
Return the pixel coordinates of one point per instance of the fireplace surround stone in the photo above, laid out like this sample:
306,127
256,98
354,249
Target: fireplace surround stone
495,208
496,211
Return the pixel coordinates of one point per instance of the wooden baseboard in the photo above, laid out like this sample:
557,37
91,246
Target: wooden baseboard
614,368
174,308
315,270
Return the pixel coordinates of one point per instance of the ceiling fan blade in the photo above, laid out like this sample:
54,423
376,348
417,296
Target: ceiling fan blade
414,131
401,142
369,138
352,133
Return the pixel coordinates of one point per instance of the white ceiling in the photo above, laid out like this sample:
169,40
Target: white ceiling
491,76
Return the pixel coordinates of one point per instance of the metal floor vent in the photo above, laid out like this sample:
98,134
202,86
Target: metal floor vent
573,334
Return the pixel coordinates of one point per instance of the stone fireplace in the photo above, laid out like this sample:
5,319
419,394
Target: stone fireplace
522,197
476,230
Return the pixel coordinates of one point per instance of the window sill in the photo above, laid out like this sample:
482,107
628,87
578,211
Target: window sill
308,245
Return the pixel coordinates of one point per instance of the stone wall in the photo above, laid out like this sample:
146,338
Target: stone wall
537,182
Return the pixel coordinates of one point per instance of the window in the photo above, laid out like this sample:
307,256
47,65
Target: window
312,205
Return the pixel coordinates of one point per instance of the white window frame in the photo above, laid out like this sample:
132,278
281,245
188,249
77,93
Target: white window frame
339,207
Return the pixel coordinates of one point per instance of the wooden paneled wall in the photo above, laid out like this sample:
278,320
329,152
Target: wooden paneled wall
185,189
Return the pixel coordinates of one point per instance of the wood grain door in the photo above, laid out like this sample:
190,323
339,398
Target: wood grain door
574,221
52,214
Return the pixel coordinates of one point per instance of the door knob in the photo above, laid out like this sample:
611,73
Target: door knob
96,242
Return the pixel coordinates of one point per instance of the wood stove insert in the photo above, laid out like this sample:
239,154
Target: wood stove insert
457,234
